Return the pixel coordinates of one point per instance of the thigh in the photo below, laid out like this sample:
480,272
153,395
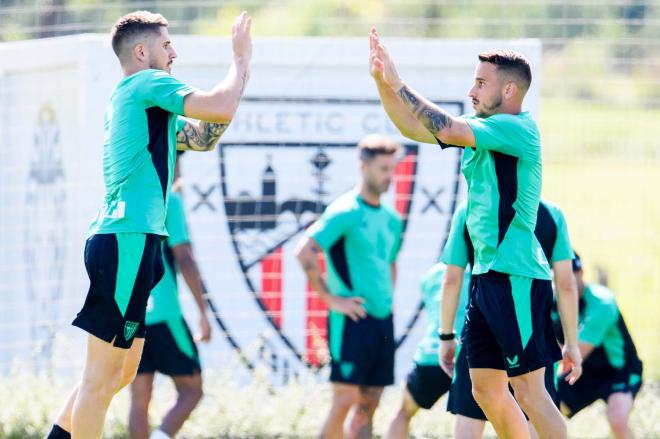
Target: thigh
104,362
188,383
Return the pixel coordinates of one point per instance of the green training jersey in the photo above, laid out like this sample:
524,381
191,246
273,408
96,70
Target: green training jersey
428,348
600,324
163,302
361,242
503,174
139,152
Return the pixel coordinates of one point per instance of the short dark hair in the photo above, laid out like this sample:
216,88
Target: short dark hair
133,25
376,144
512,64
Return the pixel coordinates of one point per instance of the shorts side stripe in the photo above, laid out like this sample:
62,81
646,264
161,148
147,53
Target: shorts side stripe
521,290
181,337
130,248
337,321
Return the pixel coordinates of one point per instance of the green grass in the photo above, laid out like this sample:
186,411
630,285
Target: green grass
611,202
30,403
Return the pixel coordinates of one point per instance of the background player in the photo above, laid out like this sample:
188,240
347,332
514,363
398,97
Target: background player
552,233
122,252
612,369
360,237
508,333
169,347
427,382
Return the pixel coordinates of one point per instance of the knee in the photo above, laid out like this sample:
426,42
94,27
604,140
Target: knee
523,393
127,377
485,394
618,420
193,395
103,387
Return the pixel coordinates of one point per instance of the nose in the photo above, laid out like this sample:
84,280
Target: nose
472,93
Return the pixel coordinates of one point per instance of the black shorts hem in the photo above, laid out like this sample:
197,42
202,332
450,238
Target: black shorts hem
106,334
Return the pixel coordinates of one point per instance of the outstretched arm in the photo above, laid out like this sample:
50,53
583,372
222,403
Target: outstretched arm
221,103
413,113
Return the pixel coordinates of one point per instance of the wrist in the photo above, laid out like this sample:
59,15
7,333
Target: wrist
397,86
446,336
242,62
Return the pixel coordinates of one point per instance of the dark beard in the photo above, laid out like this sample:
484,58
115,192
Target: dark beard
489,111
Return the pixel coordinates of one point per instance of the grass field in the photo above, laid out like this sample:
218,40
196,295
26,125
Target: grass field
228,411
602,166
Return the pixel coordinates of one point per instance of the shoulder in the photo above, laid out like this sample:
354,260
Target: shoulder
551,207
601,298
345,205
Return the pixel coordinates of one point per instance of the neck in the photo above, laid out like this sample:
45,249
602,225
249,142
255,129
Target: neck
368,196
131,69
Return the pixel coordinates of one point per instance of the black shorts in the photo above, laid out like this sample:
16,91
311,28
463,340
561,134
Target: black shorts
169,349
595,384
508,325
426,384
362,353
461,402
122,270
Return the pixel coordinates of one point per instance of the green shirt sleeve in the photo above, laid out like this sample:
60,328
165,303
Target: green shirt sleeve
562,250
598,318
398,238
175,222
160,89
331,226
455,251
505,133
180,123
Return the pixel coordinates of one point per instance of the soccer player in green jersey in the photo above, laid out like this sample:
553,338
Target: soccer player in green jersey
123,248
360,237
169,347
506,327
612,368
458,253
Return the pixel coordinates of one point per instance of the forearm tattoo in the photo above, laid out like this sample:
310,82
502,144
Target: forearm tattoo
433,118
201,139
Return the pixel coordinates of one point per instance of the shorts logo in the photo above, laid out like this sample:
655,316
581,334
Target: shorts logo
346,369
129,329
513,362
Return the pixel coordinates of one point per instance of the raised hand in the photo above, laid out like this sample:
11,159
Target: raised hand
241,39
381,65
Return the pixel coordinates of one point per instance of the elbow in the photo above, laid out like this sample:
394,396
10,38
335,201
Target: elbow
567,287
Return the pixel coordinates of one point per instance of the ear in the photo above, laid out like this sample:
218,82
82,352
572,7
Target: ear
140,52
510,90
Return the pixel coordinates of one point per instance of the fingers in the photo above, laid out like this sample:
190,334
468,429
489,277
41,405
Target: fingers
447,367
576,372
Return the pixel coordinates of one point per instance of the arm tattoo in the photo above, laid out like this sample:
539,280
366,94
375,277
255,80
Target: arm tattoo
201,139
433,118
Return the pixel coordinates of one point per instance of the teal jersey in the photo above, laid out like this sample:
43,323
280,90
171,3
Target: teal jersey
361,242
600,324
163,303
427,349
139,152
503,174
458,249
552,232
